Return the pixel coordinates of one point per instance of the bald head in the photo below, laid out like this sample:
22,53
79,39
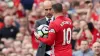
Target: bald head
47,5
96,44
8,20
96,48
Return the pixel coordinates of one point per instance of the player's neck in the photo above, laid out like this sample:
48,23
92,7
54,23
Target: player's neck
58,14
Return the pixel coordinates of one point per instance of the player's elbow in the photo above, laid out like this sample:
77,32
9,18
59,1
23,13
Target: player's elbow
50,43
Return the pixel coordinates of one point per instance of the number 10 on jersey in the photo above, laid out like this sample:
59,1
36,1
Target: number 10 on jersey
66,36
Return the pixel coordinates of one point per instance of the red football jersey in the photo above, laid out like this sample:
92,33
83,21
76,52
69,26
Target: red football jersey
35,44
60,36
82,37
95,34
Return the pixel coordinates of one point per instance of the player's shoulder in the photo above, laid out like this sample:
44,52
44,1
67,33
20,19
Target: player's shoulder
68,19
53,23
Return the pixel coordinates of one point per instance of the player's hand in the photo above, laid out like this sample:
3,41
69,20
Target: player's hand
36,35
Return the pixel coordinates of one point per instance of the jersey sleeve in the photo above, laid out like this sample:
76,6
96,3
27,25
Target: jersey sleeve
51,36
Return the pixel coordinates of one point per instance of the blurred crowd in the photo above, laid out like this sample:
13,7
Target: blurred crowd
17,19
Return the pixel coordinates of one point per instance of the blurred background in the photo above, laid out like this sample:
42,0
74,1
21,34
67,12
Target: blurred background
20,15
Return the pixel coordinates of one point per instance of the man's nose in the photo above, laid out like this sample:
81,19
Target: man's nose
49,11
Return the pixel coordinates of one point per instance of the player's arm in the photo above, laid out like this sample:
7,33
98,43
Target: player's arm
50,39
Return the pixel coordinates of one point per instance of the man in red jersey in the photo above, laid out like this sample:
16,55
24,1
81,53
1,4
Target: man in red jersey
59,33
